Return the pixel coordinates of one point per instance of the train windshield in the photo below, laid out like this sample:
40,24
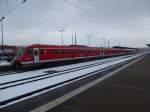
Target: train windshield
20,52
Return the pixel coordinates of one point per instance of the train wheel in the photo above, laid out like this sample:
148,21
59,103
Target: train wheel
18,65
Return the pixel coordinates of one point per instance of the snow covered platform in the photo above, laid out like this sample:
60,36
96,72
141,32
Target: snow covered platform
4,63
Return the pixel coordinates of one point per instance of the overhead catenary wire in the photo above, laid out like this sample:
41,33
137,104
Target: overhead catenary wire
7,5
13,8
113,21
93,15
85,11
102,11
99,9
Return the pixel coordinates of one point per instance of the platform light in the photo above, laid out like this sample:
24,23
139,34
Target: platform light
61,31
1,20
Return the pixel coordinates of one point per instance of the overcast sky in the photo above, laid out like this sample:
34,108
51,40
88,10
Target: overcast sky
120,21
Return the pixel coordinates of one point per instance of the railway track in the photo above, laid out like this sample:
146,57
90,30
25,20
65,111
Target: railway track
10,70
51,72
49,80
48,74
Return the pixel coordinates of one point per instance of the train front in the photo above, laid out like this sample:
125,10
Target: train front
18,58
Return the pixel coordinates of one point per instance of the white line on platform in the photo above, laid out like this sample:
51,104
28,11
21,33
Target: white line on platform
75,92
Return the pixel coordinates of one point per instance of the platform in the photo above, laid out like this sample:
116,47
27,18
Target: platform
126,91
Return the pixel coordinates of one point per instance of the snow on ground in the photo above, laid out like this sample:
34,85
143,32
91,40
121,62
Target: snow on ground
4,63
29,74
9,78
19,90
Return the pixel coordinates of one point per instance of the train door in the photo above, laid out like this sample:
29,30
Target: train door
102,52
36,55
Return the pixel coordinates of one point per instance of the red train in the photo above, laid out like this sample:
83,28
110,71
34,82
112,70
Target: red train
37,54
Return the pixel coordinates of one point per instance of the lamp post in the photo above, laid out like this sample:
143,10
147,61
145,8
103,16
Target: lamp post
88,37
104,42
61,31
108,43
1,20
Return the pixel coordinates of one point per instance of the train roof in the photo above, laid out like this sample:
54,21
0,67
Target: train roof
59,46
71,47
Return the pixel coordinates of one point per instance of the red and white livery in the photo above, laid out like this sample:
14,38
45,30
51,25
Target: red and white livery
37,54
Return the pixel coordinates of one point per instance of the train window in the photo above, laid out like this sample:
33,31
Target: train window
69,52
30,52
76,51
42,52
20,52
49,51
65,52
61,52
56,52
35,53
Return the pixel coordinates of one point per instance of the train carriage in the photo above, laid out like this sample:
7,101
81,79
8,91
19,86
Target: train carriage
47,53
37,54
